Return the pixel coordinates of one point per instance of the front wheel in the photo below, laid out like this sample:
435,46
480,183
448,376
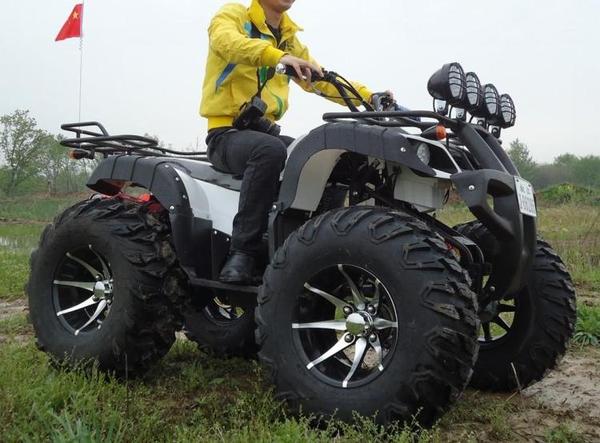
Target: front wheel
365,309
524,335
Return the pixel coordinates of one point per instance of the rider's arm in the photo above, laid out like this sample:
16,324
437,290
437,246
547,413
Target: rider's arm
327,89
229,40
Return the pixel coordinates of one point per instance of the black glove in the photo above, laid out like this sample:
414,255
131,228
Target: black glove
383,101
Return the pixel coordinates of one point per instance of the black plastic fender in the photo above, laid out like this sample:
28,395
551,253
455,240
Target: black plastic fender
192,236
384,143
516,232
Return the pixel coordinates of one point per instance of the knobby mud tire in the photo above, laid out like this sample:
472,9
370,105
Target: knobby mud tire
222,338
438,339
150,288
543,324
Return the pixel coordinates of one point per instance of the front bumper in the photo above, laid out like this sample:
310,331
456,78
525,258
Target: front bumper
515,232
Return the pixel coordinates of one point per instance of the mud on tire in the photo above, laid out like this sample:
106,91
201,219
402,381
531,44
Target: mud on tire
541,326
129,247
430,354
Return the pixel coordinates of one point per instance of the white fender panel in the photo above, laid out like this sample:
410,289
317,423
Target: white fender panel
211,202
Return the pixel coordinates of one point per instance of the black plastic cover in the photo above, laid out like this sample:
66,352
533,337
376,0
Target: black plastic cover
373,141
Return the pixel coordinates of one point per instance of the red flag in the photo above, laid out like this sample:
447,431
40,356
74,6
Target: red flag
72,27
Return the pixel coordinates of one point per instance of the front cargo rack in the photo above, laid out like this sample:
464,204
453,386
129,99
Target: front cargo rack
92,138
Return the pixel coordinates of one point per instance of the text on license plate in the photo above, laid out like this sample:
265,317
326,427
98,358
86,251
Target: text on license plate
525,197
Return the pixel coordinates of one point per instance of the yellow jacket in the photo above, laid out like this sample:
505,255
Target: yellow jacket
233,60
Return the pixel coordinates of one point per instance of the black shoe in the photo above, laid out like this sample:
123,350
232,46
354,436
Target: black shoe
239,269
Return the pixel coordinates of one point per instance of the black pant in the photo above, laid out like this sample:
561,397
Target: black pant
259,158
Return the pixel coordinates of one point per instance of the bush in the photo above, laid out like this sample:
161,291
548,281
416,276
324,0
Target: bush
569,193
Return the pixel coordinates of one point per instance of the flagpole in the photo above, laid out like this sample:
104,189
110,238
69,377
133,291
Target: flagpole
81,55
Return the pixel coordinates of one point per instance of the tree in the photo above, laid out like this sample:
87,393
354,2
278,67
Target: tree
566,160
587,171
54,163
21,144
520,156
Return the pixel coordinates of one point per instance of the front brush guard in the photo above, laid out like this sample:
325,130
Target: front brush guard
515,232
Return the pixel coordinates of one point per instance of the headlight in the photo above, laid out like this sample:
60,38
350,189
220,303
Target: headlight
448,84
474,91
508,114
491,100
424,153
490,105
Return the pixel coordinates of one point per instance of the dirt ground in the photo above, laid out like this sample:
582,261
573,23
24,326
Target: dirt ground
8,309
570,394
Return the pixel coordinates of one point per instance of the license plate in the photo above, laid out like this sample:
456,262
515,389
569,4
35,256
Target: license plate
525,197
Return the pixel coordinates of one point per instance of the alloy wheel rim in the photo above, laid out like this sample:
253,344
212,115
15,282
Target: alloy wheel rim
497,320
354,344
221,311
82,290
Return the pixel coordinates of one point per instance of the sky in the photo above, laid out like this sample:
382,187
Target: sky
144,60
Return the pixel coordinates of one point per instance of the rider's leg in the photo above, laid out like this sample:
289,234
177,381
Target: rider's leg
259,157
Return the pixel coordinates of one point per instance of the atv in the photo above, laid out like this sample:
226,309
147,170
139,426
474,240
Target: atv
366,302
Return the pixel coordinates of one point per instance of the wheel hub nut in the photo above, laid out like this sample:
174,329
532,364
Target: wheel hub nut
349,338
347,310
371,309
99,290
355,324
373,338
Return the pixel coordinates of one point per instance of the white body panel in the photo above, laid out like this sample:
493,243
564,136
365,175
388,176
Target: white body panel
426,193
211,202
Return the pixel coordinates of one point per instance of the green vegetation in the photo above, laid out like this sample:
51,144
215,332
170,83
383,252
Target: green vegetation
36,207
566,168
485,410
13,274
15,325
587,331
188,397
573,230
564,433
32,160
568,193
16,243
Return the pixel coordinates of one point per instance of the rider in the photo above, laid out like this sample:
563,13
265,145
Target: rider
244,44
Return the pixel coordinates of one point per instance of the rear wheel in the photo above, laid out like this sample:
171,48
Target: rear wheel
223,327
365,309
524,335
105,286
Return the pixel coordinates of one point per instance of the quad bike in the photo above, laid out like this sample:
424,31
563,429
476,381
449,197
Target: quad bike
365,302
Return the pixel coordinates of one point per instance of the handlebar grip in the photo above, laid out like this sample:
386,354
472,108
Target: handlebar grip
289,70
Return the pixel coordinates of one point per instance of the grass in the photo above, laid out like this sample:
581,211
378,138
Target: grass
14,271
16,243
36,207
189,396
564,433
587,330
572,230
15,325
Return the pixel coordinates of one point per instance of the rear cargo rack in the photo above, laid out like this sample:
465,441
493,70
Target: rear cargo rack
95,139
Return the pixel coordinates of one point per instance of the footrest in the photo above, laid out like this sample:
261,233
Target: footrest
214,284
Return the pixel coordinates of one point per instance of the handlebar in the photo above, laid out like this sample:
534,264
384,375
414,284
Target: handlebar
289,70
380,102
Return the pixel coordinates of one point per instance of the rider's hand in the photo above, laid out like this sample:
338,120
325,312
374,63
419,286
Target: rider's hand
303,68
383,101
